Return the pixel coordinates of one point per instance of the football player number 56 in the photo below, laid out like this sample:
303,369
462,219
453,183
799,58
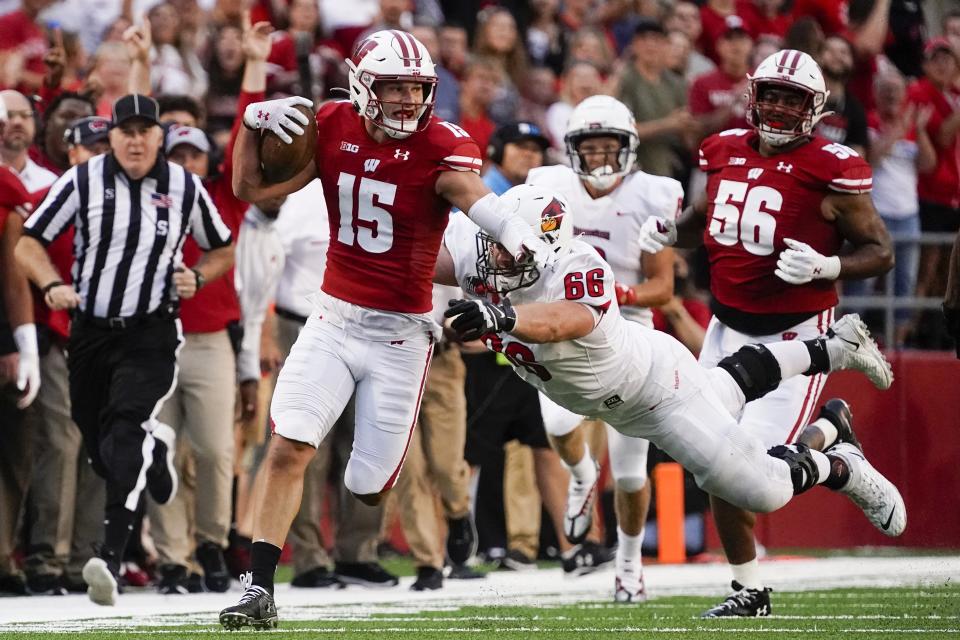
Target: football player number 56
740,214
367,225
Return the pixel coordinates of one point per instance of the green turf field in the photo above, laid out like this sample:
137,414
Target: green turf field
851,614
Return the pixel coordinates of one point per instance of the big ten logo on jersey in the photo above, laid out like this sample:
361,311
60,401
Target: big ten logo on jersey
349,146
742,213
519,355
362,222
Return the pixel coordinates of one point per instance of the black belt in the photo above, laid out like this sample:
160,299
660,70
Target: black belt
117,323
290,315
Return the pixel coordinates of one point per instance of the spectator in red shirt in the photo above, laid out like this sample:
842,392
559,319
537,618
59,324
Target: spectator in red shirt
477,90
939,190
718,99
713,17
764,17
866,30
22,38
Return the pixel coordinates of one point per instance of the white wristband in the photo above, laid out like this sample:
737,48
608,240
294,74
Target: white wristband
26,338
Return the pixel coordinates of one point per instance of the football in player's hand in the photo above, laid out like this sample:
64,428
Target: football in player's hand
280,161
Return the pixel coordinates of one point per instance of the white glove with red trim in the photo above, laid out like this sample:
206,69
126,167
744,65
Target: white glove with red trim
800,263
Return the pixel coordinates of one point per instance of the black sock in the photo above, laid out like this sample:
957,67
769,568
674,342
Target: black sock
264,558
839,474
819,361
117,527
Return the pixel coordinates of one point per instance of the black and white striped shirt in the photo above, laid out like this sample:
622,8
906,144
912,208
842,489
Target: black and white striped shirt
129,233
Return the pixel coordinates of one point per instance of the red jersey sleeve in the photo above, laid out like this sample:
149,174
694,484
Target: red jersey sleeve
841,168
715,150
13,195
456,150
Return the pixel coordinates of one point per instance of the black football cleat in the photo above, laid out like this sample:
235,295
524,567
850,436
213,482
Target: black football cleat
461,539
255,609
742,603
428,579
837,411
162,474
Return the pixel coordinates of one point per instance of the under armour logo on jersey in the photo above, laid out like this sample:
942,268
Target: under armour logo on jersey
753,174
401,155
371,164
786,168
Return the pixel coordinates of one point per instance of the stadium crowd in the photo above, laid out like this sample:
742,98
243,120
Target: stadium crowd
480,470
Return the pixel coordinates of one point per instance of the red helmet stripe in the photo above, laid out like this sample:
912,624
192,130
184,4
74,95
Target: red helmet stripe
397,35
417,55
789,66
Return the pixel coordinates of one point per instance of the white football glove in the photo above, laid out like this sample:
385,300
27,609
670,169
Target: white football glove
800,263
535,250
278,116
657,233
28,371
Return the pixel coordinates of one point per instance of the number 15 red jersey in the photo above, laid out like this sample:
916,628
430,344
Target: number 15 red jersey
754,202
386,219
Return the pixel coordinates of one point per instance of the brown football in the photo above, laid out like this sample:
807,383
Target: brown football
279,161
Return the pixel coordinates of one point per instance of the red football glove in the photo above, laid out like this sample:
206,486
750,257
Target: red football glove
625,294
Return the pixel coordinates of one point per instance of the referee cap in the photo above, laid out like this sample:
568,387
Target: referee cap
187,135
135,105
86,131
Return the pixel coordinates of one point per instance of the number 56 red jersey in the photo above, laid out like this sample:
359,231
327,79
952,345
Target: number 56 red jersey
754,202
386,219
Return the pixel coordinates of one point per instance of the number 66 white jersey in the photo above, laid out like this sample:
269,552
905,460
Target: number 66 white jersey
603,374
611,224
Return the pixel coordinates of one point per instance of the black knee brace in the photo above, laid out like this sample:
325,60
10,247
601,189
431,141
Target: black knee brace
755,369
803,469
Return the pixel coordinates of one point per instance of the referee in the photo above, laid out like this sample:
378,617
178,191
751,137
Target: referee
132,210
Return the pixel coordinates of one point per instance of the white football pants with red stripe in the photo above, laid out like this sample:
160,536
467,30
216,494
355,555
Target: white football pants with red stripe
779,416
328,362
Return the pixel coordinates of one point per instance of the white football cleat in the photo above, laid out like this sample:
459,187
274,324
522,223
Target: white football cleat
101,584
849,346
581,497
629,586
879,499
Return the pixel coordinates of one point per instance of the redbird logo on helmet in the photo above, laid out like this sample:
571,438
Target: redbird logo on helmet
552,216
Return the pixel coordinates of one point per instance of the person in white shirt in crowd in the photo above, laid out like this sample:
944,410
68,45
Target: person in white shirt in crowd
18,135
611,202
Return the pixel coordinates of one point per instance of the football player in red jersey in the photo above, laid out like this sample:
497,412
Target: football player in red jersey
390,173
779,203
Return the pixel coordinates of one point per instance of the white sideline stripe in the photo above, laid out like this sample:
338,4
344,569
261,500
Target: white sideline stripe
554,630
542,588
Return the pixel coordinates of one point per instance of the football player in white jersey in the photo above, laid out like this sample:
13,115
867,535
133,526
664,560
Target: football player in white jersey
563,333
611,201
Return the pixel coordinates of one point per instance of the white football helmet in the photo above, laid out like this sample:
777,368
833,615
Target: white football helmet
547,213
602,116
789,69
391,55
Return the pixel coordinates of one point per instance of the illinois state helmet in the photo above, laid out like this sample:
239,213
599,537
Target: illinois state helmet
601,116
547,213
